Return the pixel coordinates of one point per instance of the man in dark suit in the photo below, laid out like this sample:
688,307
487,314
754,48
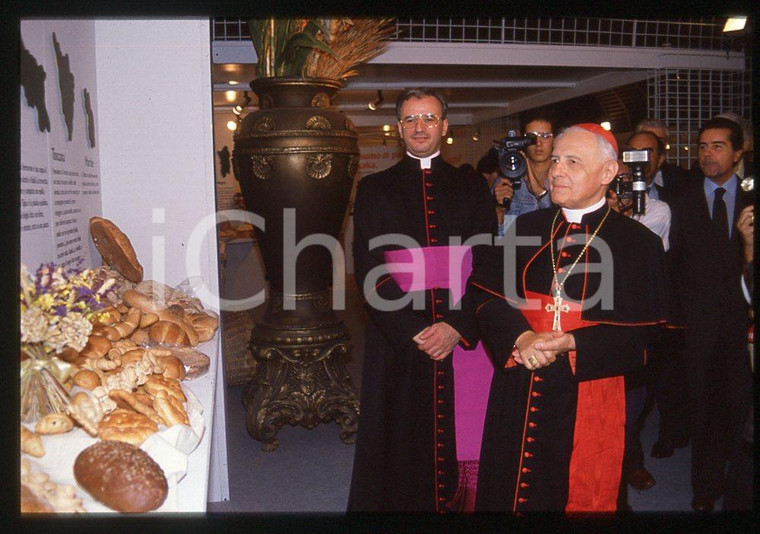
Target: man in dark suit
706,258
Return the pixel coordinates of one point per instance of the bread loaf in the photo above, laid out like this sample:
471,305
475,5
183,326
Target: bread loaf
121,476
196,363
127,426
115,248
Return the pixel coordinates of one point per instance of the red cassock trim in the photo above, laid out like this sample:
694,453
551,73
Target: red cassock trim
599,435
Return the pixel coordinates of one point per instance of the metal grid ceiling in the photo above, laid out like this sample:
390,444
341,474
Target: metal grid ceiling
685,99
696,33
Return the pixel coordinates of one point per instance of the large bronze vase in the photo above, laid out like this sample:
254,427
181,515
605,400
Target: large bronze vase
295,159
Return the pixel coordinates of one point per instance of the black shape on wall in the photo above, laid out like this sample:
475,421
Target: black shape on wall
224,160
90,116
33,81
66,85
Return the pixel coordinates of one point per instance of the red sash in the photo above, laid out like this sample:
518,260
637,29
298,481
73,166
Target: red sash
599,436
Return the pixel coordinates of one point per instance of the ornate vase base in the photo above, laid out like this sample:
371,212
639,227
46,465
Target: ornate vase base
300,379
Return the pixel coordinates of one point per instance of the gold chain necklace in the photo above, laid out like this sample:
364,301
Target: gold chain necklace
558,307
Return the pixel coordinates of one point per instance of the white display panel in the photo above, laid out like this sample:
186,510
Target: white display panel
60,164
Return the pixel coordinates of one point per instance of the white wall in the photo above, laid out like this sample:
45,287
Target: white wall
156,143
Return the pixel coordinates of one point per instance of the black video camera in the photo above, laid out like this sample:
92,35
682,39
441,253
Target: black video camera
511,161
638,161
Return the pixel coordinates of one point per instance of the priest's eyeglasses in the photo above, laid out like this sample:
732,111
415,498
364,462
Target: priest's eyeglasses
542,135
429,120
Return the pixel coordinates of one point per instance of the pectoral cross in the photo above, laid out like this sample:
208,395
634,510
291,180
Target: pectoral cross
557,308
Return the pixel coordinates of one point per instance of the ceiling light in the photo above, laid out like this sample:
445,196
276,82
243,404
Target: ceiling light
232,125
606,125
735,24
230,96
386,127
476,135
450,138
233,82
237,110
377,103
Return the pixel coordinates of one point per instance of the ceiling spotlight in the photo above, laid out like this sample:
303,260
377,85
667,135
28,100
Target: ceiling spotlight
230,96
233,82
606,125
450,138
232,125
377,103
476,135
386,127
735,24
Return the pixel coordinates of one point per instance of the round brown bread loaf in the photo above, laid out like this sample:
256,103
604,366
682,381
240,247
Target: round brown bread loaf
121,476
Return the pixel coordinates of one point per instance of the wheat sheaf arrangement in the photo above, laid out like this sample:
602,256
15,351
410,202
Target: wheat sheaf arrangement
319,47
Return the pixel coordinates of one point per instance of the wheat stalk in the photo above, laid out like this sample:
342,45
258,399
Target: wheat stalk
352,41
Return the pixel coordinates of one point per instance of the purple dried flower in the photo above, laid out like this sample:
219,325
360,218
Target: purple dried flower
60,310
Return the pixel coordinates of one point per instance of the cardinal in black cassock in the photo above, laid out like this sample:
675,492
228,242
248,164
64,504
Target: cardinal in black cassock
554,432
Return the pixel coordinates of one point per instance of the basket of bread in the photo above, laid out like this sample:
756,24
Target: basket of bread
118,436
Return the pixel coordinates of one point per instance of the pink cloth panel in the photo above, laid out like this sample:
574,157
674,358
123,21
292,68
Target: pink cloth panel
449,267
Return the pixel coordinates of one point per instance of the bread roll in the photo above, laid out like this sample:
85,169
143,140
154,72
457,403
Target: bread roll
132,356
108,332
115,248
54,423
174,368
31,504
68,354
86,379
31,443
170,409
156,383
169,333
140,336
205,325
96,346
121,476
148,319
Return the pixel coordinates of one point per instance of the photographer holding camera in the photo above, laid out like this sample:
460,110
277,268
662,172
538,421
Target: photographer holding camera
531,189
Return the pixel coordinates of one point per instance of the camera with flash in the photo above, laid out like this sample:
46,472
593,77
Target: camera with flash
638,161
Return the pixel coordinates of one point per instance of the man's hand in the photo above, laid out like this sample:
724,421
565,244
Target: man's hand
557,343
531,180
529,355
746,226
503,190
437,340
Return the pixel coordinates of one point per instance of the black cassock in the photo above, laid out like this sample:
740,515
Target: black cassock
405,456
531,429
